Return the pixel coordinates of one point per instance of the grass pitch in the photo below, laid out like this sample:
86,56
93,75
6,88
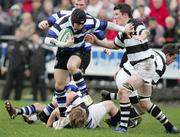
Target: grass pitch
148,128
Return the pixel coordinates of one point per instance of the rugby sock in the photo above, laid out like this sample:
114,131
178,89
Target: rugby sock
28,110
156,112
114,96
80,82
49,109
125,112
133,113
60,96
115,119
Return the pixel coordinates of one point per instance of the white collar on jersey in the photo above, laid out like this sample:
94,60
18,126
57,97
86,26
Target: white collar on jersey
163,55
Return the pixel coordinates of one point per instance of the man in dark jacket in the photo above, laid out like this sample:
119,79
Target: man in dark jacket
17,59
37,67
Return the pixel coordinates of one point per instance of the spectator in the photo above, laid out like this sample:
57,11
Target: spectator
63,5
27,25
36,9
159,11
156,32
5,22
15,12
27,6
45,13
177,30
132,3
169,34
94,7
142,11
18,56
37,67
174,7
106,11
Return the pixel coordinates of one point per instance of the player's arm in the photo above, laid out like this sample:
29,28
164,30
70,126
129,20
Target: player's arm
52,38
128,28
55,114
45,24
56,43
103,25
142,33
91,38
103,43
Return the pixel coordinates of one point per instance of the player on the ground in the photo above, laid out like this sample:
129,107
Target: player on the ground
42,111
82,116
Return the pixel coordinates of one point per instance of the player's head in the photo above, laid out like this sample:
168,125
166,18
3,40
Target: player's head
171,52
122,13
78,18
80,4
78,117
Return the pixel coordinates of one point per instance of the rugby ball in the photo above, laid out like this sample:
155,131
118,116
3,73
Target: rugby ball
65,34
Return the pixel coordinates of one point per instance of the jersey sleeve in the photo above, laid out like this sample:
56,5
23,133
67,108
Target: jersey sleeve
53,18
99,34
119,40
140,29
54,31
100,24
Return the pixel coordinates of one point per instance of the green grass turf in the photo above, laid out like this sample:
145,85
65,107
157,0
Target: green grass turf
148,128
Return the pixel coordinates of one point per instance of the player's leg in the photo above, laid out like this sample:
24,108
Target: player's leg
128,87
46,112
27,110
154,110
73,67
113,112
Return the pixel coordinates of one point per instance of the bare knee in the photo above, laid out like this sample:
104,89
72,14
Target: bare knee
59,85
110,107
72,68
146,104
39,107
123,93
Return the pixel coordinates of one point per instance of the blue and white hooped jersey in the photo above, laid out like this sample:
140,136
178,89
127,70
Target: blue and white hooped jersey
54,17
91,25
136,50
60,97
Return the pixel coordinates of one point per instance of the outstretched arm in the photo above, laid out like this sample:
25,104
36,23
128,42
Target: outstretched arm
102,43
128,28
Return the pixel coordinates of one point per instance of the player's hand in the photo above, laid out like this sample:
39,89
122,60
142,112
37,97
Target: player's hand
107,52
139,37
43,25
129,28
70,41
91,38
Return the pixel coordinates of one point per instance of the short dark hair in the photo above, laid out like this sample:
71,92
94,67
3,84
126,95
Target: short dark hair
78,16
170,49
124,8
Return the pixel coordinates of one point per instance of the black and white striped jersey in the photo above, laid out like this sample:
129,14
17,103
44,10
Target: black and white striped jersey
160,63
136,50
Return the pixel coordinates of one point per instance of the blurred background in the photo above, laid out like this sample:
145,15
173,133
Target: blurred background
22,65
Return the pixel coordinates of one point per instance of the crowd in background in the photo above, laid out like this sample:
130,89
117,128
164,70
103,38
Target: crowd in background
162,17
